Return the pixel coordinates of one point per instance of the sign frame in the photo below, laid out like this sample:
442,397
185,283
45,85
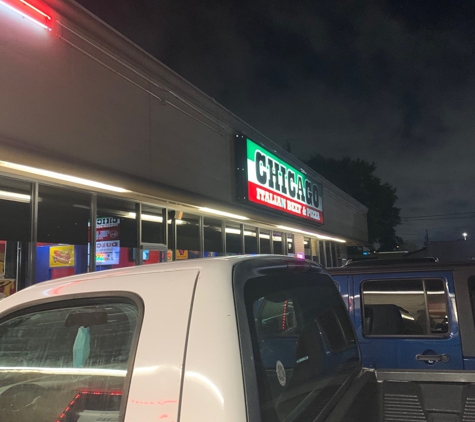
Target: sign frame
266,180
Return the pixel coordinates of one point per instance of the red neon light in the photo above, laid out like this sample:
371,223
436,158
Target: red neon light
68,408
29,11
36,10
284,315
74,401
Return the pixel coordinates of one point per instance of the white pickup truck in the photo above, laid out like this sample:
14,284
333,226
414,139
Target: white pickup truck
257,339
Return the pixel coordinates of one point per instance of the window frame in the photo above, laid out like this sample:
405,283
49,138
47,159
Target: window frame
87,299
422,280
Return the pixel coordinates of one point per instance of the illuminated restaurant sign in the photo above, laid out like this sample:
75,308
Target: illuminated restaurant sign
267,180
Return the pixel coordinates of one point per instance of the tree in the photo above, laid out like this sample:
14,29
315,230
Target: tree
404,245
356,177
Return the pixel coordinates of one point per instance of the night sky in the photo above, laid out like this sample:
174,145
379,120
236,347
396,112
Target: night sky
390,81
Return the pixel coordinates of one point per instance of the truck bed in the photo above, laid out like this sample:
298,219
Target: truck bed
397,395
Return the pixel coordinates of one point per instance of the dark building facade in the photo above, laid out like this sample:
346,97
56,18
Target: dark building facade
107,153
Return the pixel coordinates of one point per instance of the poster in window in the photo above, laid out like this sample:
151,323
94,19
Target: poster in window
61,256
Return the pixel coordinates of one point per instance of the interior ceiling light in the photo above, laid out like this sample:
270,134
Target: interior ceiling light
155,218
147,217
237,231
12,196
62,177
224,214
319,236
335,239
28,11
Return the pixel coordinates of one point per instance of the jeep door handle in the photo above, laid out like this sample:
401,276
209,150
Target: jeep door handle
433,358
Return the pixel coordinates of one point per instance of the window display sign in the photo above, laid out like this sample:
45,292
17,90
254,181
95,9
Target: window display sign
107,233
61,256
108,243
108,252
103,222
7,287
269,181
181,254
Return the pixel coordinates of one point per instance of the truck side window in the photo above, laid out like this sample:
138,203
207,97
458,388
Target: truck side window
409,307
67,363
304,345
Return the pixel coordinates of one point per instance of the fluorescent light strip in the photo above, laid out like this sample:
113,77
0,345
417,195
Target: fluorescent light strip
335,239
12,196
62,177
224,214
36,10
25,16
246,232
154,218
147,217
319,236
276,238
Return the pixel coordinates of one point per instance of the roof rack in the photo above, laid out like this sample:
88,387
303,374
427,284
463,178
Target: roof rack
374,262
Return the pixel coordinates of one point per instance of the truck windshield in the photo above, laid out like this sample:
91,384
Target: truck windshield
304,345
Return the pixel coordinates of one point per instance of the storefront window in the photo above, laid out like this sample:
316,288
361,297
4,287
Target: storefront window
277,238
154,249
188,236
116,234
334,254
14,234
213,237
329,254
290,245
250,240
315,250
307,243
233,239
264,239
321,252
62,242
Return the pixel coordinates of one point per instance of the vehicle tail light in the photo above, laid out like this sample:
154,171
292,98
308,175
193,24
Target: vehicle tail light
92,405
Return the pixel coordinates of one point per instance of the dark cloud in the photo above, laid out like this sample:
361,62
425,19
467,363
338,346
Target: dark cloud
390,81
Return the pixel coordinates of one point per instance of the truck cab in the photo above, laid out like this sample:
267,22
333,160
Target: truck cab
256,339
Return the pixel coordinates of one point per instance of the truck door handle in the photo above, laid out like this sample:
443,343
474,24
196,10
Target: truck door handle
433,358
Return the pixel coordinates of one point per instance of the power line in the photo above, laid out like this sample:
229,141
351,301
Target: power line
439,215
410,234
436,218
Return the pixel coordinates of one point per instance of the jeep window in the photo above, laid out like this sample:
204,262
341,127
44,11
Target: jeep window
303,342
409,307
66,363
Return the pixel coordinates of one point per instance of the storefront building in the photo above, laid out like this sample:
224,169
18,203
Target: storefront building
107,153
